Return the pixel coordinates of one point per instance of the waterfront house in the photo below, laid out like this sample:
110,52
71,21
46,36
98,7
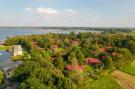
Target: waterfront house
17,50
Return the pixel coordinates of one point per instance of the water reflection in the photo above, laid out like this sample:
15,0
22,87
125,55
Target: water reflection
5,59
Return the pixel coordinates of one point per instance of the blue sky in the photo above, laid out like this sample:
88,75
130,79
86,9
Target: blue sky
95,13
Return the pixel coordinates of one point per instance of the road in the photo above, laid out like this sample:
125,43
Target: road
127,81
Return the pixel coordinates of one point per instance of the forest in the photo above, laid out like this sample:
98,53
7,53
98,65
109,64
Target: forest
72,61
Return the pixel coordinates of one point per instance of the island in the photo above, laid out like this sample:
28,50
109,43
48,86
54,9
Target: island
85,60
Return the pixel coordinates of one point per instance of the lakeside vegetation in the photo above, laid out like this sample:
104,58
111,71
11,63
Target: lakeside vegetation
5,47
1,77
72,61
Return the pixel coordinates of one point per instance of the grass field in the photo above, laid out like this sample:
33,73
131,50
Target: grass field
133,63
104,82
129,68
5,47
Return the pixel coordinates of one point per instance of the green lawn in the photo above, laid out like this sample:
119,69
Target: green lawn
104,82
128,68
5,47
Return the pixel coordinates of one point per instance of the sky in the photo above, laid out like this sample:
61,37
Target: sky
86,13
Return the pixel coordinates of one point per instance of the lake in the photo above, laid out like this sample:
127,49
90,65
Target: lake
4,59
14,31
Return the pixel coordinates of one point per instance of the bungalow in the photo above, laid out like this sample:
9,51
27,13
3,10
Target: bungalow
75,42
79,68
108,47
59,40
17,50
92,61
55,46
2,42
104,57
35,43
103,49
93,52
113,53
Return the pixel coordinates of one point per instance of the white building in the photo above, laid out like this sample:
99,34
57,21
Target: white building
17,50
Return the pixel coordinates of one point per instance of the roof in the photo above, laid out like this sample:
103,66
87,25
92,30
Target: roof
17,48
103,49
79,67
92,61
75,42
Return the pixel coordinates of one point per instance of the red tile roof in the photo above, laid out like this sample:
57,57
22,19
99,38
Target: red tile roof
79,67
55,46
92,61
109,47
103,49
104,57
113,53
93,52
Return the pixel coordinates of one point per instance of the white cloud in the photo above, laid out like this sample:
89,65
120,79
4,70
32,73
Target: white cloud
51,11
47,11
133,10
28,9
69,17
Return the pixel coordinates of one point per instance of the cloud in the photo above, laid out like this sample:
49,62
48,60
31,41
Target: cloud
47,11
28,9
133,10
51,11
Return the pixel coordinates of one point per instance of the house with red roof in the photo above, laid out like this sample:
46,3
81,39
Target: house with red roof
55,46
104,57
103,49
113,53
92,61
109,47
79,68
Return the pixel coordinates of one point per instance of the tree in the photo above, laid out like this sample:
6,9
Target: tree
33,83
59,63
118,60
1,77
108,62
131,46
80,57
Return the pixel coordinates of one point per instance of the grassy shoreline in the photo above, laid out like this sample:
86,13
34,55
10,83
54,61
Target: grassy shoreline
2,48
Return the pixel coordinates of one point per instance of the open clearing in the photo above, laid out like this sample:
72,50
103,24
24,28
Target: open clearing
127,81
133,63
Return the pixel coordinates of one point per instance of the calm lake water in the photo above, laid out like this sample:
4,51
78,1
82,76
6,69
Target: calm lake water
4,59
9,32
